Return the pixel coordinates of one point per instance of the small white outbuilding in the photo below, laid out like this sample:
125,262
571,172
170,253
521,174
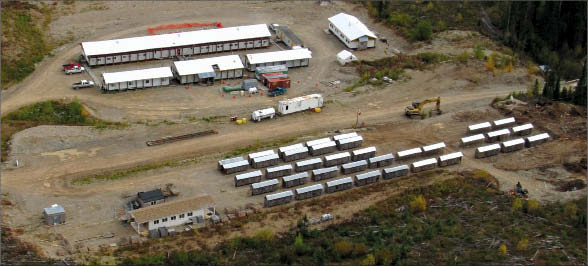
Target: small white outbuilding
345,57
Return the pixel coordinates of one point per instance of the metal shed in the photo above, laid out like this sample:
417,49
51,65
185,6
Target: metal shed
284,34
248,178
354,167
136,79
339,185
324,173
290,58
349,143
323,148
281,150
308,192
251,156
264,187
498,135
238,166
296,154
278,198
513,145
204,69
536,140
308,164
470,140
381,161
317,141
408,154
278,171
450,159
265,161
502,123
345,136
295,179
54,214
424,165
337,159
367,178
479,128
363,154
487,151
397,171
523,130
230,160
433,148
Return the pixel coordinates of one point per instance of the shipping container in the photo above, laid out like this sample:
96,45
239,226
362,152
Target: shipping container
470,140
498,135
344,136
339,185
324,173
238,166
265,161
228,161
513,145
363,154
397,171
317,141
278,171
259,71
479,128
248,178
295,180
450,159
367,178
337,159
296,154
281,150
308,192
349,143
308,164
433,148
409,154
266,76
502,123
299,104
487,151
264,187
279,198
381,161
424,165
536,140
274,83
523,130
323,148
260,154
354,167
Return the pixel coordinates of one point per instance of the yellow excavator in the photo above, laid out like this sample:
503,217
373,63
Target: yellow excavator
417,107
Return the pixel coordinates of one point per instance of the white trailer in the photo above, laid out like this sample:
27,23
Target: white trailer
299,104
258,115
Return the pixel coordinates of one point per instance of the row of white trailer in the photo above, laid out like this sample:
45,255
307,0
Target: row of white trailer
487,126
511,145
498,135
345,183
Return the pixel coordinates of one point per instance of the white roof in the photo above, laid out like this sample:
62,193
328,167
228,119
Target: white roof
140,74
368,174
266,158
472,138
522,127
291,147
265,183
296,151
489,148
538,137
396,169
409,152
295,176
175,40
354,164
300,99
261,153
501,132
479,126
344,136
309,188
450,156
425,162
317,141
279,168
382,157
324,145
436,146
279,195
204,65
339,181
311,161
513,142
350,26
364,150
344,54
55,208
266,111
277,56
350,140
248,175
231,160
504,121
235,164
325,170
337,156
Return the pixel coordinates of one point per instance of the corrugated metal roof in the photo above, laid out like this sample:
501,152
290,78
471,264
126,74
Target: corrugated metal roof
513,142
261,153
279,168
344,136
248,175
325,170
451,156
354,164
175,207
472,138
337,156
425,162
409,152
279,195
295,176
324,145
296,151
339,181
265,183
364,150
308,162
479,126
266,158
522,127
139,74
317,141
489,148
504,121
435,146
309,188
368,174
204,65
175,40
54,209
538,137
396,169
381,157
277,56
350,26
501,132
235,164
290,147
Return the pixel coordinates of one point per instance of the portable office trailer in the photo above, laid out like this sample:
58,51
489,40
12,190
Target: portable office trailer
367,178
536,140
523,130
308,164
498,135
136,79
284,34
352,32
408,154
264,187
350,143
54,215
174,44
238,166
433,148
204,69
450,159
278,198
295,179
248,178
308,192
323,148
337,159
278,171
289,58
354,167
424,165
297,154
281,150
345,136
317,141
259,71
363,154
487,151
339,185
230,160
265,161
513,145
471,140
479,128
397,171
381,161
251,156
502,123
300,104
324,173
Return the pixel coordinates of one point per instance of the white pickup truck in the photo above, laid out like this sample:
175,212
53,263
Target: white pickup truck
74,70
83,84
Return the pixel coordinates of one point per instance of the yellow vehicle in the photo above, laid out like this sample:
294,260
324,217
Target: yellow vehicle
417,107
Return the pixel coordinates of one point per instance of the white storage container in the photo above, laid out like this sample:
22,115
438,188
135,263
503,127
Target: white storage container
300,104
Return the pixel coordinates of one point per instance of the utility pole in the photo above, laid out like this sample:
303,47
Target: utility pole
357,117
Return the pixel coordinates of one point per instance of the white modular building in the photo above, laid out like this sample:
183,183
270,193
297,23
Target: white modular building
206,69
299,104
397,171
534,140
479,128
352,32
174,44
289,58
513,145
381,161
363,154
410,153
317,141
487,151
279,198
308,192
424,165
474,139
502,123
337,159
367,178
353,167
522,130
344,136
450,159
136,79
345,57
433,148
228,161
308,164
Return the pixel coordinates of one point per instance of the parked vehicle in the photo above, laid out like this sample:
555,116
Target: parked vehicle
74,70
278,91
83,84
258,115
71,65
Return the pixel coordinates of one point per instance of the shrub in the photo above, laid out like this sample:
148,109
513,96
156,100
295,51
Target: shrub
264,235
299,244
523,244
479,52
359,250
533,206
517,204
502,250
401,19
418,204
343,248
423,31
570,210
369,260
463,57
489,63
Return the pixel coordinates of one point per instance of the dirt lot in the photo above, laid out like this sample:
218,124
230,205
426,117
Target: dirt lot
50,157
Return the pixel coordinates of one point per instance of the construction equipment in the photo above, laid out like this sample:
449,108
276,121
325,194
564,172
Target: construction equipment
518,191
417,107
277,91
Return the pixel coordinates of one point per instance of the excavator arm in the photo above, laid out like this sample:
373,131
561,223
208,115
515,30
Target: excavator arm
417,107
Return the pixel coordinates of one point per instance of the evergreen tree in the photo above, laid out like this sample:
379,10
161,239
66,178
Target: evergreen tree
549,84
580,91
556,89
536,88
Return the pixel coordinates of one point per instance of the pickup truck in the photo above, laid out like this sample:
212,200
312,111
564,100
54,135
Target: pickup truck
71,65
276,92
83,84
74,70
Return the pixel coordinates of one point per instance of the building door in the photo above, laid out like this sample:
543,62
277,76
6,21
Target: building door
55,219
178,51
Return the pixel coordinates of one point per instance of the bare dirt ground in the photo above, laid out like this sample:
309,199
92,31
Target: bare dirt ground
51,156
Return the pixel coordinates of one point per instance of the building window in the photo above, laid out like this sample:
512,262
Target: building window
153,202
156,222
130,83
182,215
147,81
162,79
173,217
164,220
189,214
